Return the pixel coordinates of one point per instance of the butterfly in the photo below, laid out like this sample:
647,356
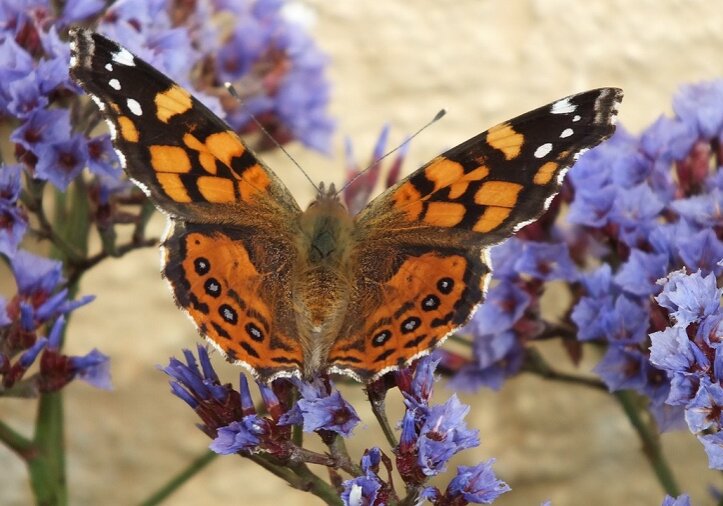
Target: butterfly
285,292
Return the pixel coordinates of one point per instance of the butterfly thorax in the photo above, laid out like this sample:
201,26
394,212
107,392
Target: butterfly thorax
322,287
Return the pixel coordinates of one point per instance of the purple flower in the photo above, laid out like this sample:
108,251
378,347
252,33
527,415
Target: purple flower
102,159
443,434
361,491
321,409
193,385
668,139
29,355
623,368
79,10
37,279
504,306
626,322
24,96
13,221
546,261
245,435
690,298
367,489
672,351
635,211
700,106
713,445
476,484
701,210
681,500
422,385
704,411
93,368
504,258
702,251
61,162
639,274
41,128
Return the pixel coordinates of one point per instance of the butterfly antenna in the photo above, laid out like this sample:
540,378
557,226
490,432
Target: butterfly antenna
440,114
235,95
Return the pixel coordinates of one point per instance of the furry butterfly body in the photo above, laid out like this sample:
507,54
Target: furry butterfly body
287,292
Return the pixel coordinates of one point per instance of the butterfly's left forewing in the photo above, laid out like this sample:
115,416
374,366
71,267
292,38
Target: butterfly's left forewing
188,160
420,248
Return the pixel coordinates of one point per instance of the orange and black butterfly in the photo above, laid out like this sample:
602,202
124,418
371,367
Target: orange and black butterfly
288,292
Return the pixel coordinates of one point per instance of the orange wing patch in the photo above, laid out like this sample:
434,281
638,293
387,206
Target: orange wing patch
175,100
504,138
429,296
223,296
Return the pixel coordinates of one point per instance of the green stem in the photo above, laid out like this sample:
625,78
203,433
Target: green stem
180,479
47,465
341,455
648,435
16,441
378,404
310,482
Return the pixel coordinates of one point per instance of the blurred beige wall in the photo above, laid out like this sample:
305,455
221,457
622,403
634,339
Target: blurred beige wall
399,61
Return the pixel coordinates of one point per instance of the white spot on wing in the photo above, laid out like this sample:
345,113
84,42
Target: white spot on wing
563,107
543,150
98,102
109,67
566,133
576,118
115,84
124,57
134,106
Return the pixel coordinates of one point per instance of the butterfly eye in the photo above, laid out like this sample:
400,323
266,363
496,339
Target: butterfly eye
445,285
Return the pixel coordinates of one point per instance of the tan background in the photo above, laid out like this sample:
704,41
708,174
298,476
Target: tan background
400,61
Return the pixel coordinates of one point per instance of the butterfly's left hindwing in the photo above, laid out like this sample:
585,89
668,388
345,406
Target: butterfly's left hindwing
430,231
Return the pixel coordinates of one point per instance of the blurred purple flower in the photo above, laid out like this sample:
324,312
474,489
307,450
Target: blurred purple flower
681,500
13,221
476,484
61,162
695,104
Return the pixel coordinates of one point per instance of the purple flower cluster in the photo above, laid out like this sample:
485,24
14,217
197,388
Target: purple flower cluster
640,207
433,434
39,307
430,434
690,351
231,419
